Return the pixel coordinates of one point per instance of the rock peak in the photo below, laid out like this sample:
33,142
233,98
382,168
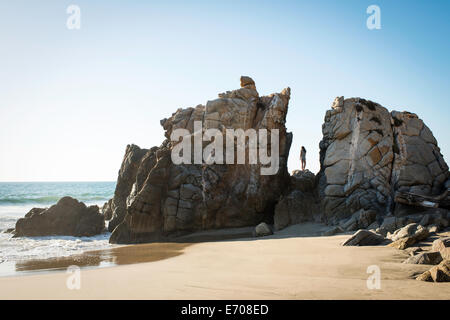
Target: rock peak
247,81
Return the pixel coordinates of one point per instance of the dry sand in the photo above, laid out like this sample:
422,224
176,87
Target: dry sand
283,266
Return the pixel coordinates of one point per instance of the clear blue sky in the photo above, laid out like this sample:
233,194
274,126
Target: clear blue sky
71,100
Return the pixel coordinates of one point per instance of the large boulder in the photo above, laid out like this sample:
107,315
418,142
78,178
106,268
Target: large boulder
414,231
128,172
161,199
425,258
439,273
367,154
442,245
68,217
364,238
408,235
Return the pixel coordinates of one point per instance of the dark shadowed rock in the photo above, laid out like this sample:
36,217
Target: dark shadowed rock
361,219
127,177
107,210
413,231
304,181
332,231
300,203
68,217
262,230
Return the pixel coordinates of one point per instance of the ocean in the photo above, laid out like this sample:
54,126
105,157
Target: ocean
17,198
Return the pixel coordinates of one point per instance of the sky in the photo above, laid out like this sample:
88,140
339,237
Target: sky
72,99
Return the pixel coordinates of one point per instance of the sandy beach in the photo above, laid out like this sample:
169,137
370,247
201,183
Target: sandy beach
283,266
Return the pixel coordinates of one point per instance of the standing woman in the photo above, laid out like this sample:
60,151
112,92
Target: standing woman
303,158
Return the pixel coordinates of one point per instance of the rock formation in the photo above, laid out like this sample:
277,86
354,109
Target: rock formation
364,238
439,273
367,154
300,204
131,163
156,199
68,217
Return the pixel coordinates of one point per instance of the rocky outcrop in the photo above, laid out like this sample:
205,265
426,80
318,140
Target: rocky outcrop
262,230
364,238
157,199
367,154
68,217
107,210
127,177
300,203
413,231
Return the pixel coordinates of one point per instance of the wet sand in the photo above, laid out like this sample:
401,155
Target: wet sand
293,264
106,258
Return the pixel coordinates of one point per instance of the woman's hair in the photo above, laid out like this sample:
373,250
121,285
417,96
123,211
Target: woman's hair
303,148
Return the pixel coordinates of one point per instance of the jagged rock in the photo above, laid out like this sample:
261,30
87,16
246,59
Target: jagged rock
418,166
367,154
413,231
390,224
262,230
361,219
402,244
125,181
107,210
364,238
68,217
442,245
164,199
439,273
425,258
439,217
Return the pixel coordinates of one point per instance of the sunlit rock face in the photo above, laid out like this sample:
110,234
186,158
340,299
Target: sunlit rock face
157,199
368,153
